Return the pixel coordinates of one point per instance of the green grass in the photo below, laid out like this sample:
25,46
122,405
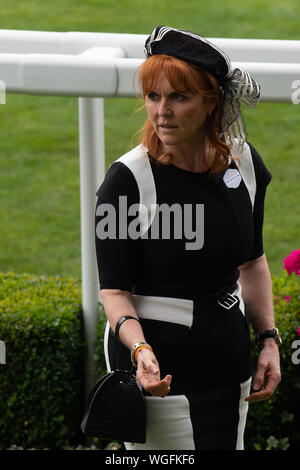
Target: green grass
39,177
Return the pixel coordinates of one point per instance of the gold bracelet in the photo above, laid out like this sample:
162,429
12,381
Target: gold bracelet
145,346
136,348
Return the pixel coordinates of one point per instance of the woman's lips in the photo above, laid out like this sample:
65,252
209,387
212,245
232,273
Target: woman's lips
167,127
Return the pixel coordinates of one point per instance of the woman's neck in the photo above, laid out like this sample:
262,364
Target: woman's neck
197,159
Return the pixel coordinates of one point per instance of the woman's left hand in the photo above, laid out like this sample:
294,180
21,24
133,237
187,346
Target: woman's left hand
267,373
148,374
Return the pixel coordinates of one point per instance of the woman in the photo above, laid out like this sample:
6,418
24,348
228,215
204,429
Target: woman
180,254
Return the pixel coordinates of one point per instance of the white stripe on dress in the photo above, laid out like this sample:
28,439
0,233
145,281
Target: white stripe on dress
243,410
137,161
107,327
171,309
169,425
246,169
238,294
166,309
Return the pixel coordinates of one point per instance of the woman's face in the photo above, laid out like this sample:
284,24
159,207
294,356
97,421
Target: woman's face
177,116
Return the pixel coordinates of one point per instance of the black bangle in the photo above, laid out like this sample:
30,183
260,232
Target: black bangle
121,321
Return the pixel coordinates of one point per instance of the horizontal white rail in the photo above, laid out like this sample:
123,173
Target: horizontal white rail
87,74
105,72
103,64
245,50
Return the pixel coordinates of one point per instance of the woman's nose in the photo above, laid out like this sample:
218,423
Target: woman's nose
164,107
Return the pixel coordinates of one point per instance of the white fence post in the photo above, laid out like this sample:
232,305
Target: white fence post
2,92
92,169
2,352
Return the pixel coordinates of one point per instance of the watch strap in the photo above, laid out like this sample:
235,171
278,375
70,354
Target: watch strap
273,333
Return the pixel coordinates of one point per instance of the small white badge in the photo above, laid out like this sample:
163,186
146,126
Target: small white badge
232,178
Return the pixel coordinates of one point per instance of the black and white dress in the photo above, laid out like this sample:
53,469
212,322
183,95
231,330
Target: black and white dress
187,234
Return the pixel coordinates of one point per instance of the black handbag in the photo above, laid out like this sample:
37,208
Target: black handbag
116,409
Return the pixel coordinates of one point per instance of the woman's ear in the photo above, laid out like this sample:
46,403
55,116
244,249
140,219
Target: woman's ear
211,108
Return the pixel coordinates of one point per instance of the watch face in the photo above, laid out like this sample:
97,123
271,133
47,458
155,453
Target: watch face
277,336
278,339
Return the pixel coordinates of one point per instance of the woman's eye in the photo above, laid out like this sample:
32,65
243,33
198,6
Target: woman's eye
175,96
152,96
178,97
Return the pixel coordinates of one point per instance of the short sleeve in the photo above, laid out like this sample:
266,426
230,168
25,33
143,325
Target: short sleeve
263,178
115,252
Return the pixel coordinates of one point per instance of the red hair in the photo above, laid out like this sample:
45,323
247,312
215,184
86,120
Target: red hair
184,76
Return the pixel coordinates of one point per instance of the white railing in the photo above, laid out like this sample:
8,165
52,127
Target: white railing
97,65
102,64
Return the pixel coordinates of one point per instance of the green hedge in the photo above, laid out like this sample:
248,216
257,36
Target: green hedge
41,385
274,423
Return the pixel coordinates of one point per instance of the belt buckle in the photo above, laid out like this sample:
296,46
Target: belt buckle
228,301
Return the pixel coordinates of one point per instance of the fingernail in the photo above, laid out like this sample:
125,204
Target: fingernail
256,387
154,370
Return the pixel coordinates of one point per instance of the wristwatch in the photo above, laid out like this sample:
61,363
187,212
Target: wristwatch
274,333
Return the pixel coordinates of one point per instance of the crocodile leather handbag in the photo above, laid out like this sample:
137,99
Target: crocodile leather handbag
116,409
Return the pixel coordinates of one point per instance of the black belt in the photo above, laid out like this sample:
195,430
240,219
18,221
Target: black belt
223,297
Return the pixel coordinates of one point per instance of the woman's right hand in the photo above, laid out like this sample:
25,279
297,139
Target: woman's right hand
148,374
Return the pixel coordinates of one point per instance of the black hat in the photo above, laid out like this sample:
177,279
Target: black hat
189,47
236,84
